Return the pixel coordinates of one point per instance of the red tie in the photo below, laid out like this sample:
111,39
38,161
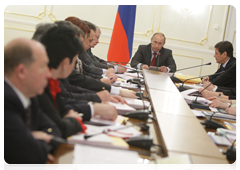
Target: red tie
153,60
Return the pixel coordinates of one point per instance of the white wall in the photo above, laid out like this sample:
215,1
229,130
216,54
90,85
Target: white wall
183,26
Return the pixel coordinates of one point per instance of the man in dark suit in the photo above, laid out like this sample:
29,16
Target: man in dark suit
154,54
27,131
224,56
96,60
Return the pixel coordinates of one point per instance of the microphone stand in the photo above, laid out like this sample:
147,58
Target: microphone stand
181,88
212,124
177,80
231,152
195,104
143,114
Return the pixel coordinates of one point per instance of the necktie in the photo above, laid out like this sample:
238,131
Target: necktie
153,60
222,68
28,116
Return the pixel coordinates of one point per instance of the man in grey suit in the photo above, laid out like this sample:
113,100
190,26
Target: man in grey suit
155,55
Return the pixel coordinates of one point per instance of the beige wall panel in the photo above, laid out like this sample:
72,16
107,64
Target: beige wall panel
179,21
235,44
190,62
181,26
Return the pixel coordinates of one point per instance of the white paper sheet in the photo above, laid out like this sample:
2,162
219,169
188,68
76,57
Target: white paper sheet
84,154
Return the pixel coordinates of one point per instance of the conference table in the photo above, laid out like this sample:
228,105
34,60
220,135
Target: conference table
176,129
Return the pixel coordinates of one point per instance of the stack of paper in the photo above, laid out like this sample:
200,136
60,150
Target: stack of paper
125,85
84,154
124,76
192,86
229,134
198,113
122,108
184,77
101,134
98,121
134,75
219,115
219,140
136,103
190,99
230,126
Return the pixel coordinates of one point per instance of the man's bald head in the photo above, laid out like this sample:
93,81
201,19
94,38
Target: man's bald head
19,51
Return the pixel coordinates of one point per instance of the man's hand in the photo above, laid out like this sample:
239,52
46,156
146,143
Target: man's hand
105,111
205,79
72,113
231,110
105,80
207,83
207,94
50,158
216,103
110,70
116,99
163,69
222,100
40,135
127,93
121,69
112,77
104,96
144,66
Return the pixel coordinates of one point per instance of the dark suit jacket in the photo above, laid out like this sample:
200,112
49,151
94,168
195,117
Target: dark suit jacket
88,67
227,79
68,126
97,62
76,92
144,54
228,91
87,82
20,147
98,59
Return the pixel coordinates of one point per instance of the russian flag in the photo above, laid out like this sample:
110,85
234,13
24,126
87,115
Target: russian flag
120,48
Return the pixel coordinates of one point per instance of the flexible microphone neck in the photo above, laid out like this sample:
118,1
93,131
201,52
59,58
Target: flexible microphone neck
202,76
128,68
191,67
201,92
222,72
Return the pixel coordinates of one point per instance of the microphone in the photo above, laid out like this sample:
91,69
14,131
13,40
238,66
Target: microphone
212,124
177,80
193,67
231,152
181,88
195,103
143,127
